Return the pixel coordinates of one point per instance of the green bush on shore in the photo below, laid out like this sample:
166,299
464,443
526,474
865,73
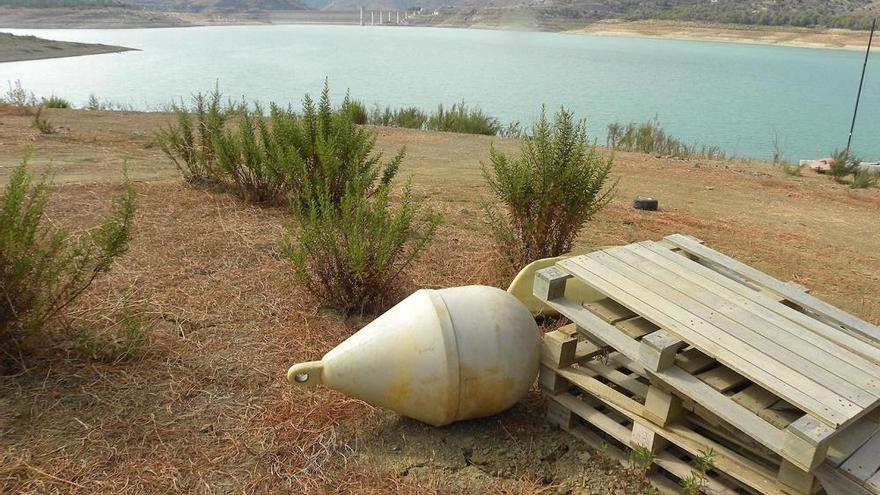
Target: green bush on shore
649,137
189,141
461,118
349,244
43,269
549,191
55,102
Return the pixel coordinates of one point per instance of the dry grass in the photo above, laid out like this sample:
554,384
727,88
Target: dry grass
206,409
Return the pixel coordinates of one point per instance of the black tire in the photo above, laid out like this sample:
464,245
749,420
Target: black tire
647,204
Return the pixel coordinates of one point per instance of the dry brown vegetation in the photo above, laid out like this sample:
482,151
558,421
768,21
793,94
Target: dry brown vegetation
205,408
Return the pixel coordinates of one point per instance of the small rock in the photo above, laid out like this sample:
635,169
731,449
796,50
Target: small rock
480,457
710,188
465,211
584,457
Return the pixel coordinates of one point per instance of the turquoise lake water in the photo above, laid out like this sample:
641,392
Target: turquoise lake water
732,95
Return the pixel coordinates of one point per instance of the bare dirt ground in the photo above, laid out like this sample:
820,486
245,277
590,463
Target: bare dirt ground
843,39
13,48
206,409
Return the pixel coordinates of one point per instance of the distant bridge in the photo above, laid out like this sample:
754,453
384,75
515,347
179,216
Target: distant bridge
363,17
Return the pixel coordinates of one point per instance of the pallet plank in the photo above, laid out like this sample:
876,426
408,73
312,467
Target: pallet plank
582,379
813,362
845,364
859,327
836,483
701,274
597,328
721,406
609,310
865,461
637,328
761,401
734,465
849,440
873,483
627,382
755,398
693,361
624,435
584,349
722,378
672,318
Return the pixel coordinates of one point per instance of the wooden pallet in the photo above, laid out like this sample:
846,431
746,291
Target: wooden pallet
607,381
605,429
752,360
610,392
853,467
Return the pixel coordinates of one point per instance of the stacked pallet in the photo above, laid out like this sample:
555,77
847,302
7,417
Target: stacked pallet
692,354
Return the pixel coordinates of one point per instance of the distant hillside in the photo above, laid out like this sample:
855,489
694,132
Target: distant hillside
178,5
538,14
44,4
853,14
218,5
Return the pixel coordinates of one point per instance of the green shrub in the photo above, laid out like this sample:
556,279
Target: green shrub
41,123
42,268
55,102
408,118
512,130
94,104
844,164
330,154
549,192
351,255
356,110
865,179
189,142
460,118
259,158
351,245
649,137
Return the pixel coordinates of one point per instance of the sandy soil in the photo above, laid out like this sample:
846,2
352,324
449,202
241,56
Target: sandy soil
13,48
205,409
841,39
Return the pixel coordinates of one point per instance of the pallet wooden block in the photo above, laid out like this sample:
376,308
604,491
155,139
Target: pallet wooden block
755,363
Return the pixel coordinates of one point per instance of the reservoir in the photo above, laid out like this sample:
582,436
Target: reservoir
736,96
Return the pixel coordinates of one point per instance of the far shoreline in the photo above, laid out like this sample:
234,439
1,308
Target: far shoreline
781,36
820,39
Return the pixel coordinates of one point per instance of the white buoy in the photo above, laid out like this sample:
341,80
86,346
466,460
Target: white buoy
438,356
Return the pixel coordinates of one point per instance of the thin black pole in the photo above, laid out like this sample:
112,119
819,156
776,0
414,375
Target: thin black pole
861,82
